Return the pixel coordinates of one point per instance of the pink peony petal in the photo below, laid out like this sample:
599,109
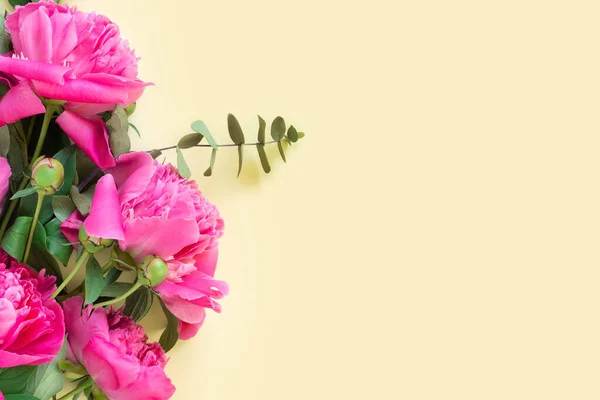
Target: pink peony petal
188,331
83,325
20,102
112,370
36,37
152,384
187,311
40,71
82,91
105,220
71,226
90,135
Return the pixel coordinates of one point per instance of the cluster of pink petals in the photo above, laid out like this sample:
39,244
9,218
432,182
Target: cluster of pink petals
31,323
64,54
114,351
157,212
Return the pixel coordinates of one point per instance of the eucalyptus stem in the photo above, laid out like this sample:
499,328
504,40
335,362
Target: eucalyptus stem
34,222
50,109
80,262
78,389
135,287
221,145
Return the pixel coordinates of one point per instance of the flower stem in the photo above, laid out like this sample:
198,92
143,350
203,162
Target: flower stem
30,128
78,389
13,203
34,222
80,262
135,287
221,145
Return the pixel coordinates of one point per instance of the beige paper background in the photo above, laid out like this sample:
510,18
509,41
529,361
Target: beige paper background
435,235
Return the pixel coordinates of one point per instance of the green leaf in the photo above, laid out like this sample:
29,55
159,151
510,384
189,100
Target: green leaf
155,153
235,130
81,202
240,159
301,135
278,128
15,3
135,129
118,121
4,131
20,397
112,276
200,127
15,239
94,280
292,134
138,304
58,245
281,151
40,259
262,126
263,158
24,193
213,157
116,289
190,140
4,39
68,158
14,380
28,204
120,143
16,156
170,336
48,379
63,207
182,166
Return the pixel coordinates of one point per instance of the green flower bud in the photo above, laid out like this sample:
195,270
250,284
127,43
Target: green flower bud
48,174
154,270
130,110
91,244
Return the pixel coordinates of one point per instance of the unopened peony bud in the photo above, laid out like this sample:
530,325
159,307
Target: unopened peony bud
154,269
91,244
48,174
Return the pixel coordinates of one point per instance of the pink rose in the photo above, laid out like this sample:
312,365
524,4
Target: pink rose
32,326
5,175
114,351
69,55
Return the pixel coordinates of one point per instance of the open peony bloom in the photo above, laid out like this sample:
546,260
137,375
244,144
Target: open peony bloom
31,323
114,351
65,54
5,175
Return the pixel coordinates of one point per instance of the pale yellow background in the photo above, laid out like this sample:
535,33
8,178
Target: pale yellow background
435,236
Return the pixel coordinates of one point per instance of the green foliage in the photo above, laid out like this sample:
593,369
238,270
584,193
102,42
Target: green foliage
170,335
262,127
182,165
139,303
4,137
68,159
118,129
63,207
94,280
155,153
15,3
201,128
56,243
24,193
213,157
15,380
48,379
264,161
235,130
116,289
278,128
190,140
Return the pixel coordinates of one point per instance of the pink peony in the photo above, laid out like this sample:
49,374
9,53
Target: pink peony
65,54
166,215
5,175
31,323
114,351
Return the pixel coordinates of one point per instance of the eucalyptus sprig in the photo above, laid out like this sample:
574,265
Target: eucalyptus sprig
279,133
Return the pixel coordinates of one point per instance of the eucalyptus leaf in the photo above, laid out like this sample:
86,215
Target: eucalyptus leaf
118,121
301,135
81,202
264,161
292,134
120,143
262,126
94,280
57,244
135,129
213,157
63,207
4,131
278,128
235,130
190,140
182,165
48,379
281,151
200,127
240,159
138,304
155,153
170,336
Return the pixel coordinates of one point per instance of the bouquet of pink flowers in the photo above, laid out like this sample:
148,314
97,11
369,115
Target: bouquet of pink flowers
73,190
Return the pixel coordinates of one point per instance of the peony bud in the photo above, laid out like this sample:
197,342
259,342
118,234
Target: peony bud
91,244
48,174
154,270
